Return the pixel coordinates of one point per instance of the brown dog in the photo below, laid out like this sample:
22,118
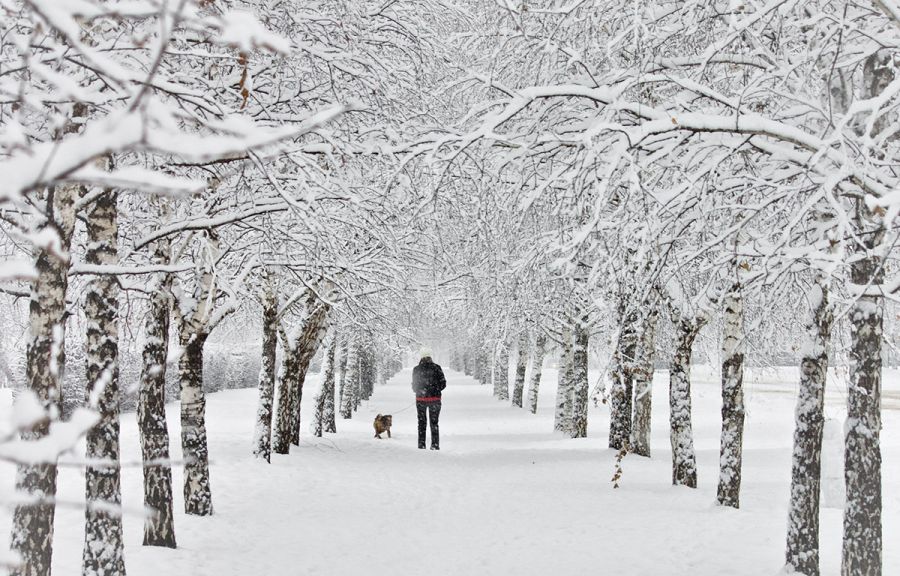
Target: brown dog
382,424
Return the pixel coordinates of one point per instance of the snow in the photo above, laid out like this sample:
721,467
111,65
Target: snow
17,269
503,496
138,178
242,30
62,438
833,492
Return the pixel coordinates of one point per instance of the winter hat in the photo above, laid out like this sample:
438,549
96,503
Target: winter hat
425,352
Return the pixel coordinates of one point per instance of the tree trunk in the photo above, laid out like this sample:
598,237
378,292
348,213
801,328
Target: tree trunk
103,552
642,377
290,362
159,528
346,407
684,462
293,404
521,366
803,515
562,417
729,491
325,399
298,352
32,528
501,373
329,423
862,545
622,387
485,370
356,381
351,382
313,333
262,442
580,383
537,366
477,371
287,417
197,491
477,367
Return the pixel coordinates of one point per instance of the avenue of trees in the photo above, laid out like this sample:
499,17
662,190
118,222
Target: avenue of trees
566,179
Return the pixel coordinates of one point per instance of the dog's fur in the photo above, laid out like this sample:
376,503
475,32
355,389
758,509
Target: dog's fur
382,424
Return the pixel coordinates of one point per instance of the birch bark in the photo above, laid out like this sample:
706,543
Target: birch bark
262,442
802,553
731,445
537,364
103,553
159,527
521,367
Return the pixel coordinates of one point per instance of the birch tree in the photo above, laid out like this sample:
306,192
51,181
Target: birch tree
501,371
351,381
103,546
537,364
803,514
324,419
565,387
684,461
732,395
299,347
159,529
32,532
262,444
345,403
521,367
622,386
642,375
580,383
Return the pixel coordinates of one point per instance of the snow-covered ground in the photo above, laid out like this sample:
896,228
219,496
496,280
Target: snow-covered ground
503,496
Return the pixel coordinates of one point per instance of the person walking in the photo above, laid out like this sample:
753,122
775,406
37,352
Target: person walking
428,382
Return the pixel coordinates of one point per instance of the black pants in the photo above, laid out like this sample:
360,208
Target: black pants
433,410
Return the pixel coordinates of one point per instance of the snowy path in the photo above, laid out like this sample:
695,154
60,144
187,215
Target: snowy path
503,496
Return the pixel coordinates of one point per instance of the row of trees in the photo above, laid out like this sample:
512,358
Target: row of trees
659,171
174,165
603,175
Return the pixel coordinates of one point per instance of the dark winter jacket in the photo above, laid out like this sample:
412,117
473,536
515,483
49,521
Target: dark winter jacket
428,381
